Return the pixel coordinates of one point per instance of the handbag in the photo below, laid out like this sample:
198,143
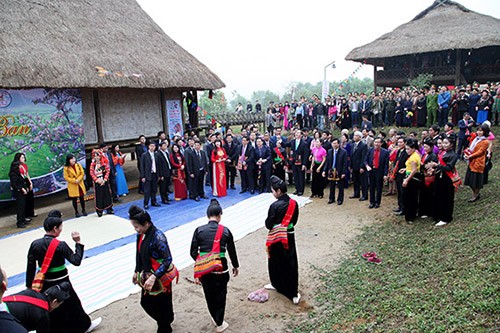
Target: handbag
162,284
37,284
210,262
279,234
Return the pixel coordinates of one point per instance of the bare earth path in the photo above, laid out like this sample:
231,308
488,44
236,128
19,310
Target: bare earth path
323,234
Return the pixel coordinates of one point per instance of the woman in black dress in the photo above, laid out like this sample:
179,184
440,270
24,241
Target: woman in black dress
153,265
70,316
282,258
99,172
427,198
215,283
446,176
280,160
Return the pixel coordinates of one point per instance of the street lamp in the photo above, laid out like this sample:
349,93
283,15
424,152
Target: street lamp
325,85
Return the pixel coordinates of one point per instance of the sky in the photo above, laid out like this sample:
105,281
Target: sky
268,44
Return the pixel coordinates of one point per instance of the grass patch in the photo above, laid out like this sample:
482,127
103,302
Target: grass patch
430,280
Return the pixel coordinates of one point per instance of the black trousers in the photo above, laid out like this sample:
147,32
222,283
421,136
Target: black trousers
112,184
70,316
376,184
399,188
164,185
265,180
196,187
20,208
215,290
445,198
209,175
29,209
247,181
462,144
318,182
426,200
159,308
340,184
410,198
300,120
230,175
298,178
75,203
360,181
141,184
150,188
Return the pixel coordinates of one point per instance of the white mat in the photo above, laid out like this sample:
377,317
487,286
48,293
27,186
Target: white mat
94,232
107,277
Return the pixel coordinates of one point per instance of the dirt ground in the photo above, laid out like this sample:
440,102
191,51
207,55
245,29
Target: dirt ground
323,235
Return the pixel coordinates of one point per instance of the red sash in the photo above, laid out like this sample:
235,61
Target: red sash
278,234
280,155
454,176
27,299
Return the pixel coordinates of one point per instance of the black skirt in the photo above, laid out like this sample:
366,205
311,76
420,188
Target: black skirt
283,268
473,179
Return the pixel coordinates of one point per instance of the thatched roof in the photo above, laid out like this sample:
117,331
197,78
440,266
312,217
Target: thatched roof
444,25
59,43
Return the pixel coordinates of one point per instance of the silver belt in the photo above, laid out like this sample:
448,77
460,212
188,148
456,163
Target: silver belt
60,278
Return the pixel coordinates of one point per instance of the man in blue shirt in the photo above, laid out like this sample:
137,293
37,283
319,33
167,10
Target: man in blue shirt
444,104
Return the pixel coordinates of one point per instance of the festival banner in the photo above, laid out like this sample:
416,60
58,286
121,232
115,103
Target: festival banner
46,125
174,118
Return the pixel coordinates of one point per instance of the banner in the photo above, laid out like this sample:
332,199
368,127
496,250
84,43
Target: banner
174,118
46,125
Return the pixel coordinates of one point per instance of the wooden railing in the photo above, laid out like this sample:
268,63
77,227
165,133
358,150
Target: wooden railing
230,119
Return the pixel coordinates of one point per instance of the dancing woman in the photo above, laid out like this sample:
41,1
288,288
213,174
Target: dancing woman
215,283
153,265
282,256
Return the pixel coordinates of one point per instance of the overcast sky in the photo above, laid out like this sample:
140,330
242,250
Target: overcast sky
266,44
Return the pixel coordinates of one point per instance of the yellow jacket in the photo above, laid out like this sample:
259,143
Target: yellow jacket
72,176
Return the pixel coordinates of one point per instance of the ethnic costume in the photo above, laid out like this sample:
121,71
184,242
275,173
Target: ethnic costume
219,188
410,192
215,283
31,308
179,176
282,262
427,187
70,316
103,200
445,189
280,160
153,255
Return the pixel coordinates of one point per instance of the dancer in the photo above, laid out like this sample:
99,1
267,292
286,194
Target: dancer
70,316
282,255
8,323
153,256
74,173
215,283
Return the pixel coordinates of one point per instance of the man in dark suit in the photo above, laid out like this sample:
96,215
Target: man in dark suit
139,150
336,168
359,176
149,175
161,137
377,165
299,154
208,148
112,171
164,171
465,126
263,163
401,158
231,149
246,165
196,164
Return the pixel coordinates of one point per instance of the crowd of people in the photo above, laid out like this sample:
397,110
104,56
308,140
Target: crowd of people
406,107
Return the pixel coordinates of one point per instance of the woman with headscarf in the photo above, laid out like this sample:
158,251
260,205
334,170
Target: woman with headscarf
99,171
282,261
475,156
23,190
74,173
154,270
70,316
215,283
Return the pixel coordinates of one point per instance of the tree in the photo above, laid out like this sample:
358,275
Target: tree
421,81
264,97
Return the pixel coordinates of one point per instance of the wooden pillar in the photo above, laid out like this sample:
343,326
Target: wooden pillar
163,108
98,118
458,67
375,78
411,66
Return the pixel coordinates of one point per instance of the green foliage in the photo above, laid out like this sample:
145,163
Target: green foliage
354,85
264,97
430,280
421,81
217,104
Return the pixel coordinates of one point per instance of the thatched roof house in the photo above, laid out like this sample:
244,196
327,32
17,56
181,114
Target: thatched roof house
120,58
444,26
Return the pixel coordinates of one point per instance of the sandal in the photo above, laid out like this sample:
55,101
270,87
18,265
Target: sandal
369,255
374,260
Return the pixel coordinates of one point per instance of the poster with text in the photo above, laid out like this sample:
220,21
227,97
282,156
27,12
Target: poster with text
46,125
174,118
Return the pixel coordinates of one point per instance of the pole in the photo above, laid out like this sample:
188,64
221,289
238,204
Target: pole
325,89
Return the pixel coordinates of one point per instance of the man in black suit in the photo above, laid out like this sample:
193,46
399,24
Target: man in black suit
164,171
112,171
307,139
149,175
196,164
209,148
139,150
299,153
359,176
336,168
263,164
377,165
401,158
231,149
161,137
246,165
